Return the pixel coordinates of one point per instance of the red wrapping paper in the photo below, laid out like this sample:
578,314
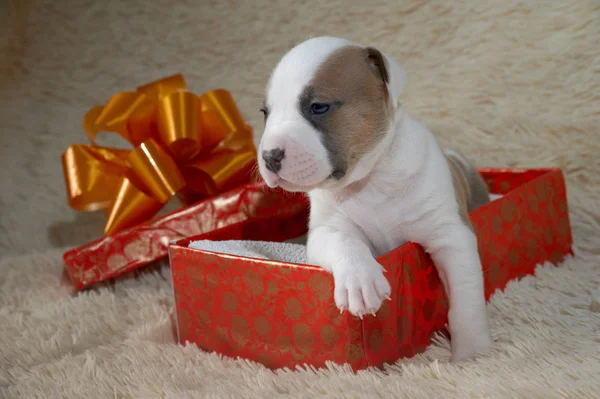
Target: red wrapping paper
283,315
130,249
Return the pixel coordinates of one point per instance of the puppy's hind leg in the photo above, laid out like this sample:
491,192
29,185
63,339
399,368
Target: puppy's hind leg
453,250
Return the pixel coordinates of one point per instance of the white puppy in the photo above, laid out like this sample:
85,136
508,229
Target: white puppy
376,178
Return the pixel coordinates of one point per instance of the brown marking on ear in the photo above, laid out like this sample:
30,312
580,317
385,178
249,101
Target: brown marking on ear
347,78
378,64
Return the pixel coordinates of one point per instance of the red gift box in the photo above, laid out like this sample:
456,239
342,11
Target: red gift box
283,314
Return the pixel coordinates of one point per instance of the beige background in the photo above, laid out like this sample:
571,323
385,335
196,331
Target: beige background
509,83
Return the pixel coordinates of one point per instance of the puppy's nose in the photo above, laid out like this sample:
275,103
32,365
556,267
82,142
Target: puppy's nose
273,159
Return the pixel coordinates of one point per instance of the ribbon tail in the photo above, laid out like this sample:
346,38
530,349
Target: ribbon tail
152,180
130,207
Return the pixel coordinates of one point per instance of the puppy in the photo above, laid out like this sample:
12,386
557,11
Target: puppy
375,177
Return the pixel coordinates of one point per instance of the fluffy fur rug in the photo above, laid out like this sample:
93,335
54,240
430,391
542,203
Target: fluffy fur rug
509,83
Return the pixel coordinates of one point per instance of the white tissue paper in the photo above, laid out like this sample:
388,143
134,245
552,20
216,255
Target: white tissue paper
281,251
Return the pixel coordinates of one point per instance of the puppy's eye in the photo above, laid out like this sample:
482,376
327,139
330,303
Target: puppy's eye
318,108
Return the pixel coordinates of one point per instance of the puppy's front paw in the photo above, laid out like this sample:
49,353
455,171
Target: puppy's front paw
360,287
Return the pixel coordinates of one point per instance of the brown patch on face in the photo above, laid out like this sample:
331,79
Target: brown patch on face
352,81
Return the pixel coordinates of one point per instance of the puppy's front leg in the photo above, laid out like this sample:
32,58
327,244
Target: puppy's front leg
360,285
455,255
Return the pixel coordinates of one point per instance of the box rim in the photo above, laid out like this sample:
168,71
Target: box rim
266,262
174,293
270,262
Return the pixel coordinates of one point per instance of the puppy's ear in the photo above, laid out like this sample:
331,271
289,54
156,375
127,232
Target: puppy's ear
377,64
390,71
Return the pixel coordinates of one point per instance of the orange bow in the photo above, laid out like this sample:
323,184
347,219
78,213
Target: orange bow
193,146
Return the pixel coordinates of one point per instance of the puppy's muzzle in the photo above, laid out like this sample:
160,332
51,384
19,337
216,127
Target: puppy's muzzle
273,159
285,160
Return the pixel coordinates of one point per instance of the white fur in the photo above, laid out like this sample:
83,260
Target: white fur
401,191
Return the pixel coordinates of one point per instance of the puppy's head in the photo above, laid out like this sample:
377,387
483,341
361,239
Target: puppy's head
329,103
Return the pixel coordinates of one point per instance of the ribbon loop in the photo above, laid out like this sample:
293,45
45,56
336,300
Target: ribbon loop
130,207
221,117
185,144
92,174
163,87
179,125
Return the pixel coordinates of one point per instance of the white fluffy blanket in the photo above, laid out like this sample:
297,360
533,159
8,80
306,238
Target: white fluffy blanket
509,83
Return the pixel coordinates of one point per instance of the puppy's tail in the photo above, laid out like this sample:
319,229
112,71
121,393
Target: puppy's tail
478,190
